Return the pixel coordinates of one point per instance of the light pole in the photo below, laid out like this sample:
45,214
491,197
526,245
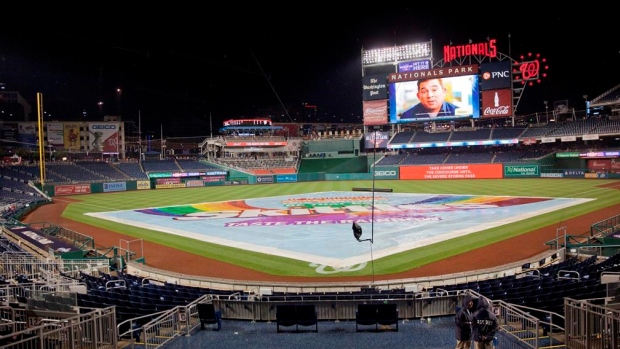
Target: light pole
210,126
585,97
547,110
375,140
139,138
119,93
357,230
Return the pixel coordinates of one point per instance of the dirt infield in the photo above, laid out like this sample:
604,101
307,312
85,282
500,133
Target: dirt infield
162,257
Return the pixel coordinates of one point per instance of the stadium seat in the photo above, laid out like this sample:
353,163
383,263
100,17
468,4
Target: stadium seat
208,315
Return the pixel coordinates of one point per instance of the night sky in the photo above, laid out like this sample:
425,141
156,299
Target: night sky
185,69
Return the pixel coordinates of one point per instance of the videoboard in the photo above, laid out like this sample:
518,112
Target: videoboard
473,81
435,97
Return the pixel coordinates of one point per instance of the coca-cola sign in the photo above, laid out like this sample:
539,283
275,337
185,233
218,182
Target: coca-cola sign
496,103
503,110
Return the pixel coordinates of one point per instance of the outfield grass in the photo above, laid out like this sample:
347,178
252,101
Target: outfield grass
568,188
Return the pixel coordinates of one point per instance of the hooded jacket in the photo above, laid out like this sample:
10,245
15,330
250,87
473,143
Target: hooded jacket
484,322
463,319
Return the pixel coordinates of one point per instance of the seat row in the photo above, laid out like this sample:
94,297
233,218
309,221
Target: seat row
547,288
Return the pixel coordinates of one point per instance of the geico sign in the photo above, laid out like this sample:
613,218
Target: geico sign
104,127
385,173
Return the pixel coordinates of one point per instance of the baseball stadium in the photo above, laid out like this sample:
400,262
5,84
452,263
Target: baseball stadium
281,235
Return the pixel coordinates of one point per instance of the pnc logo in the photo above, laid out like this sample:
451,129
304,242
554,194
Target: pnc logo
496,74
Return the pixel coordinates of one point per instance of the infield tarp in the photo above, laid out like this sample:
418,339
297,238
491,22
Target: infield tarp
316,227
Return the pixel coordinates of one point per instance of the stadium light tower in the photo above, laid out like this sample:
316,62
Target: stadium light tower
395,54
377,62
547,110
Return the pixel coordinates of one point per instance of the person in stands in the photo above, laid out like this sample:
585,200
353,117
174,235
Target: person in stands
462,320
484,325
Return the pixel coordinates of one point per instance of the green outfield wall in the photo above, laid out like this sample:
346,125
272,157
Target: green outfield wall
343,169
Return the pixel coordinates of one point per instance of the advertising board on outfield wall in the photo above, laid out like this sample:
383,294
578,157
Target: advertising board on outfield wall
574,173
143,185
386,172
116,186
72,189
169,185
194,183
552,175
604,165
264,179
286,178
522,170
460,171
